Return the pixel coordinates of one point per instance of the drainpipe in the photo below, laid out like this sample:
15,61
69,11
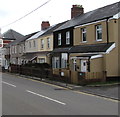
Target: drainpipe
107,29
88,63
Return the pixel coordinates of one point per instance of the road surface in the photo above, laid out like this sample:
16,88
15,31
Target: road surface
21,96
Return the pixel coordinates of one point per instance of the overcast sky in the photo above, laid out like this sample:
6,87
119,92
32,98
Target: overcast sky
55,11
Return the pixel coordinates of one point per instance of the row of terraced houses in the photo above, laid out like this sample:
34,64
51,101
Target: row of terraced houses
88,43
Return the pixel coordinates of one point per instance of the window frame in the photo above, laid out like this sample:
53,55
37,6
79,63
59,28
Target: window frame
34,43
84,32
98,31
42,60
15,49
48,43
30,44
59,39
42,43
67,37
20,49
64,60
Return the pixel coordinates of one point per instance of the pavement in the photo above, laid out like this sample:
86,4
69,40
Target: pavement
107,91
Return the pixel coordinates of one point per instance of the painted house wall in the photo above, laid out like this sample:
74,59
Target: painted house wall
40,51
111,60
119,46
32,48
63,38
45,43
97,65
91,34
45,49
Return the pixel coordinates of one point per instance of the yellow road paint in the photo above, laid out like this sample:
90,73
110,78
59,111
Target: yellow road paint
109,99
44,83
105,98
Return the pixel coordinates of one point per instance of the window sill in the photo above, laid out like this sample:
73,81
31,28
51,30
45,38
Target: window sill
99,40
84,42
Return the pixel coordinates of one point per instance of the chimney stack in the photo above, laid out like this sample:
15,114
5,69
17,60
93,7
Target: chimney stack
76,10
45,25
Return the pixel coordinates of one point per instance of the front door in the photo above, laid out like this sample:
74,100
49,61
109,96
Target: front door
83,65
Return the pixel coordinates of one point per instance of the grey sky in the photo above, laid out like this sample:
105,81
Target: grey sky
55,11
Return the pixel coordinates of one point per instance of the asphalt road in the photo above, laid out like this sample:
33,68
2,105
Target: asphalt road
22,96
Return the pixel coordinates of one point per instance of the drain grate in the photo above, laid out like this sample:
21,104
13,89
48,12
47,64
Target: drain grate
59,89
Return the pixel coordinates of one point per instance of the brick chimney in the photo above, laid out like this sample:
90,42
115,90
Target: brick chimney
45,25
76,10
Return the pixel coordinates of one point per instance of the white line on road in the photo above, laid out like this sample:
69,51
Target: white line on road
8,84
46,97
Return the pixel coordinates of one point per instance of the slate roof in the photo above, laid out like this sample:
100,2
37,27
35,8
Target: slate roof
87,55
95,15
46,32
21,39
61,50
37,35
92,48
12,35
102,47
28,36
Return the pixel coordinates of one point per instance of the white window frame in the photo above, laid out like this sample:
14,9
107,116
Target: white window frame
42,43
84,32
34,43
64,60
23,46
13,50
97,31
48,42
59,39
68,37
41,60
20,49
29,44
56,62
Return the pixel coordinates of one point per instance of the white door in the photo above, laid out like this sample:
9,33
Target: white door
83,65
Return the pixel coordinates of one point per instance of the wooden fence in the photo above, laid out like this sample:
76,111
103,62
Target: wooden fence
39,73
63,75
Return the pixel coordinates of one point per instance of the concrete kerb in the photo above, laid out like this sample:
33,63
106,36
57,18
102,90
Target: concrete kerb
68,86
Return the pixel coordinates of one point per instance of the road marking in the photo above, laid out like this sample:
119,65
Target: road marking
48,84
43,82
117,101
46,97
8,84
